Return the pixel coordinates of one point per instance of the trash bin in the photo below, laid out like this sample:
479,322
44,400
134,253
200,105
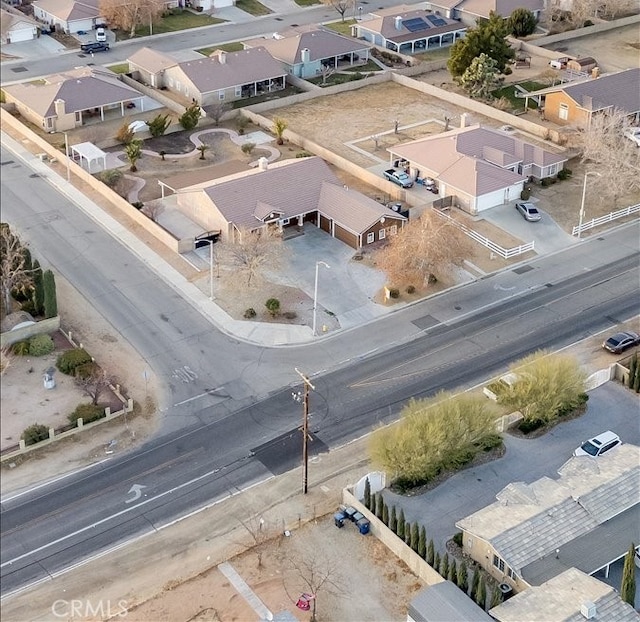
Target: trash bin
350,512
357,517
338,519
363,526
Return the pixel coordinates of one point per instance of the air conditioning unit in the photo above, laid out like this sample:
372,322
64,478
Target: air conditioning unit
588,610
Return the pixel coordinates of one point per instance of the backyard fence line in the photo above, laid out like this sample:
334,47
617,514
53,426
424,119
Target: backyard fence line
505,253
596,222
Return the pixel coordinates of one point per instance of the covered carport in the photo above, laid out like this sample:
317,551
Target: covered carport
88,153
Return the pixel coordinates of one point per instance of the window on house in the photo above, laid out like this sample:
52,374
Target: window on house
221,95
382,234
563,113
498,563
511,574
49,121
553,169
371,237
238,91
78,117
178,86
394,229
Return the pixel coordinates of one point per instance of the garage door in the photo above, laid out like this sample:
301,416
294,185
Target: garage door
23,34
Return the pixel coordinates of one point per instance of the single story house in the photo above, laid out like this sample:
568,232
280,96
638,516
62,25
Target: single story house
70,16
16,27
221,77
572,595
445,602
407,30
575,103
286,194
481,167
304,52
68,100
469,11
535,532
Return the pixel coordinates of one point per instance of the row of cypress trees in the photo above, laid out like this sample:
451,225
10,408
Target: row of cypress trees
43,290
633,382
415,536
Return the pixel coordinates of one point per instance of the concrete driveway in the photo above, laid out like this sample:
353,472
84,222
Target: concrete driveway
41,47
547,235
609,408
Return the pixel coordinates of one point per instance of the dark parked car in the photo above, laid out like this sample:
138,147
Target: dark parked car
529,211
96,46
620,342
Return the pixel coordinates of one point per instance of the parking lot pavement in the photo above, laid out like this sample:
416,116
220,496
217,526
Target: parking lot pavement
610,407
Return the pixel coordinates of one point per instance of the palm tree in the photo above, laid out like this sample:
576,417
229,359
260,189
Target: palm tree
279,126
133,152
202,149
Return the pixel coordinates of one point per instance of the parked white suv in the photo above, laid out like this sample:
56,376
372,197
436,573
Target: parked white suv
598,445
101,35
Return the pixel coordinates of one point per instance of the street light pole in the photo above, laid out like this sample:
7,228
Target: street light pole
315,295
584,196
305,427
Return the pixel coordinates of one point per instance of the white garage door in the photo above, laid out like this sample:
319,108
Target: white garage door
21,34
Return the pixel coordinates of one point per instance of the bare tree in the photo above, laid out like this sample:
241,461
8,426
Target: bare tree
95,384
326,72
607,152
427,246
342,6
14,272
131,14
252,253
153,210
217,110
260,533
319,573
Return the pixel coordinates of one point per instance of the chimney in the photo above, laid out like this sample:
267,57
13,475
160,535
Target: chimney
398,22
59,107
222,57
595,72
588,610
263,164
463,119
306,55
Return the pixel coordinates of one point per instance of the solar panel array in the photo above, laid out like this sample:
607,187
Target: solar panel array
437,21
415,24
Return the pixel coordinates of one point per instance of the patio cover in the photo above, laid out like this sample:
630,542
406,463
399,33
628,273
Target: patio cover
89,153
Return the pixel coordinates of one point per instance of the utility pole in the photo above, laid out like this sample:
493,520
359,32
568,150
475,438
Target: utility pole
306,383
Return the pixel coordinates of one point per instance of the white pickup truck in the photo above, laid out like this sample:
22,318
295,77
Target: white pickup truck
398,177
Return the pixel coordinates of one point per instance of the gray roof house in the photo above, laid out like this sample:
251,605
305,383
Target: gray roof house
408,30
69,16
469,11
288,194
572,596
535,532
305,51
221,77
444,602
481,167
73,99
15,26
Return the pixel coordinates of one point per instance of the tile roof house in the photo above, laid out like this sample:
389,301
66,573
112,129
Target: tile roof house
221,77
70,16
68,100
288,194
408,30
304,51
565,599
469,11
535,532
575,103
481,167
16,26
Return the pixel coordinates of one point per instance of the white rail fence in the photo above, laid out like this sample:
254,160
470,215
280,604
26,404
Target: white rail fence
505,253
596,222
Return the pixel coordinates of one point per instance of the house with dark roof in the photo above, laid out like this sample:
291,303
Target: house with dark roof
288,194
469,11
575,103
479,166
306,51
570,596
69,100
408,30
445,602
221,77
536,532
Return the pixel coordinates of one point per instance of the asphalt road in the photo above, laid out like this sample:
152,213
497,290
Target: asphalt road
215,446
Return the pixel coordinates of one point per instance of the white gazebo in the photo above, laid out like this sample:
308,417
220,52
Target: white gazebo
88,153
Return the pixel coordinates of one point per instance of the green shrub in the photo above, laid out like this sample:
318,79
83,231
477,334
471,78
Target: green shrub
189,119
525,194
411,289
29,307
125,134
86,412
50,297
457,538
38,288
41,345
35,433
304,154
507,71
86,370
564,174
241,124
138,204
273,306
394,292
71,359
21,348
158,125
527,426
247,148
111,177
587,22
250,313
545,182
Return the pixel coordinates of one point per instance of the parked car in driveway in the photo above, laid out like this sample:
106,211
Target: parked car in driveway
598,445
101,35
621,341
529,212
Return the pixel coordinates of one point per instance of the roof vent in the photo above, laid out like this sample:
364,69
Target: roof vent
398,22
588,610
305,54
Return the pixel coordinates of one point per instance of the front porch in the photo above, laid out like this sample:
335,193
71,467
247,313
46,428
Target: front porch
446,39
254,89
